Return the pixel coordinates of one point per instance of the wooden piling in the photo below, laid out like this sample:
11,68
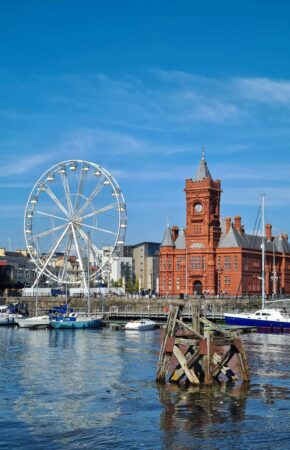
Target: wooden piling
203,351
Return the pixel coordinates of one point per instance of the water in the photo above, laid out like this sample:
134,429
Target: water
95,389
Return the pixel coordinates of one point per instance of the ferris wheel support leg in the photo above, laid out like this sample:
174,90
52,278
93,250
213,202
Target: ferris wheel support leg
80,257
50,256
90,244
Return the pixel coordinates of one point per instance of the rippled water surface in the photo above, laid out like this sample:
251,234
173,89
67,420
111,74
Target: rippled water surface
91,389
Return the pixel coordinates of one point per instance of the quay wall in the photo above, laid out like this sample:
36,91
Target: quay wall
134,304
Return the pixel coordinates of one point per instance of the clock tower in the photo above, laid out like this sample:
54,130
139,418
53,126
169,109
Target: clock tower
202,209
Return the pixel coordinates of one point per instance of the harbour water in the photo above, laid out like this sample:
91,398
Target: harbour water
95,389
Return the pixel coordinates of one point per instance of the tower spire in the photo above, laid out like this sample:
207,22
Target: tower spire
202,171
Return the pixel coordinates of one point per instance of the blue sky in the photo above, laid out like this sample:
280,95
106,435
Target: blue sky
139,87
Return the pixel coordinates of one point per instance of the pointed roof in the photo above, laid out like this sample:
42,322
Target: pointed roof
167,240
202,171
180,241
234,239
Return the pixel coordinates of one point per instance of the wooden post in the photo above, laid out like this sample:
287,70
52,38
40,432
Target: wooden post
241,357
164,357
207,358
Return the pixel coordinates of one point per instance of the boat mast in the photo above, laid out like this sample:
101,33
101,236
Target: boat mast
88,282
263,249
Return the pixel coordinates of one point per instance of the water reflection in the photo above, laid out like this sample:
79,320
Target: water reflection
58,381
191,412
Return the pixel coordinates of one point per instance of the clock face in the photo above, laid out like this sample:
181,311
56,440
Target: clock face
198,207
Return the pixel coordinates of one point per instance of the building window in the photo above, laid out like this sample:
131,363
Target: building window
178,263
227,263
164,263
195,262
227,281
164,283
203,263
177,284
169,284
219,263
169,263
197,229
235,263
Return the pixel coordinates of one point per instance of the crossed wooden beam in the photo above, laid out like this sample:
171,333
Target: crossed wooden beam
189,355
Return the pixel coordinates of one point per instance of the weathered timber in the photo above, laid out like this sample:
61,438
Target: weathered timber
215,327
241,357
207,358
191,357
201,356
183,363
187,327
164,357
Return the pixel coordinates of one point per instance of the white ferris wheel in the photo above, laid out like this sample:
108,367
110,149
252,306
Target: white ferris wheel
75,209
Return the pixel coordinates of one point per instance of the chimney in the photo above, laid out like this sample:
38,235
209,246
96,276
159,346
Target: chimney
174,232
238,224
268,232
228,224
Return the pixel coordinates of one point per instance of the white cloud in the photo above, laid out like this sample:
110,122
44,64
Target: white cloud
23,164
264,90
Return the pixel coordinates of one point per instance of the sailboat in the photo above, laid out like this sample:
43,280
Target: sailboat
265,317
7,317
78,320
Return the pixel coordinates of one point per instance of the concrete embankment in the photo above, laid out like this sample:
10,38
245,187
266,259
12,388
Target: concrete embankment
134,304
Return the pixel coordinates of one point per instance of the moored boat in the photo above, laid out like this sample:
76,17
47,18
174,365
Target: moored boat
263,318
7,317
139,325
76,320
33,322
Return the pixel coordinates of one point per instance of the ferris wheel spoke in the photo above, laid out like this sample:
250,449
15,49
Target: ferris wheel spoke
93,247
95,192
50,215
50,255
47,232
79,256
51,194
81,184
66,187
66,255
99,211
100,229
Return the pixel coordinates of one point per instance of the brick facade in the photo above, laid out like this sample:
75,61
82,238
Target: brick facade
216,257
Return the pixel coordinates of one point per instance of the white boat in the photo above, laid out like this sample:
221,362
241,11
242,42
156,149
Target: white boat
9,319
140,325
33,322
263,318
6,317
269,318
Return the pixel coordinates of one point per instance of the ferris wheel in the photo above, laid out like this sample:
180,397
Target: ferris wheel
75,209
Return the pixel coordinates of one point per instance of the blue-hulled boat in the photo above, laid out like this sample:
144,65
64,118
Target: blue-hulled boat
274,319
76,320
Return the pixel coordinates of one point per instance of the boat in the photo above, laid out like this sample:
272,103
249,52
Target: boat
76,320
7,317
263,318
33,322
269,318
140,325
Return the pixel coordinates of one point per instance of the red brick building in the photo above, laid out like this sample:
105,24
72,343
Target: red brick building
216,256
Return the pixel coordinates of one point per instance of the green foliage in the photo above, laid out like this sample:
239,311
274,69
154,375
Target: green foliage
116,284
132,286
